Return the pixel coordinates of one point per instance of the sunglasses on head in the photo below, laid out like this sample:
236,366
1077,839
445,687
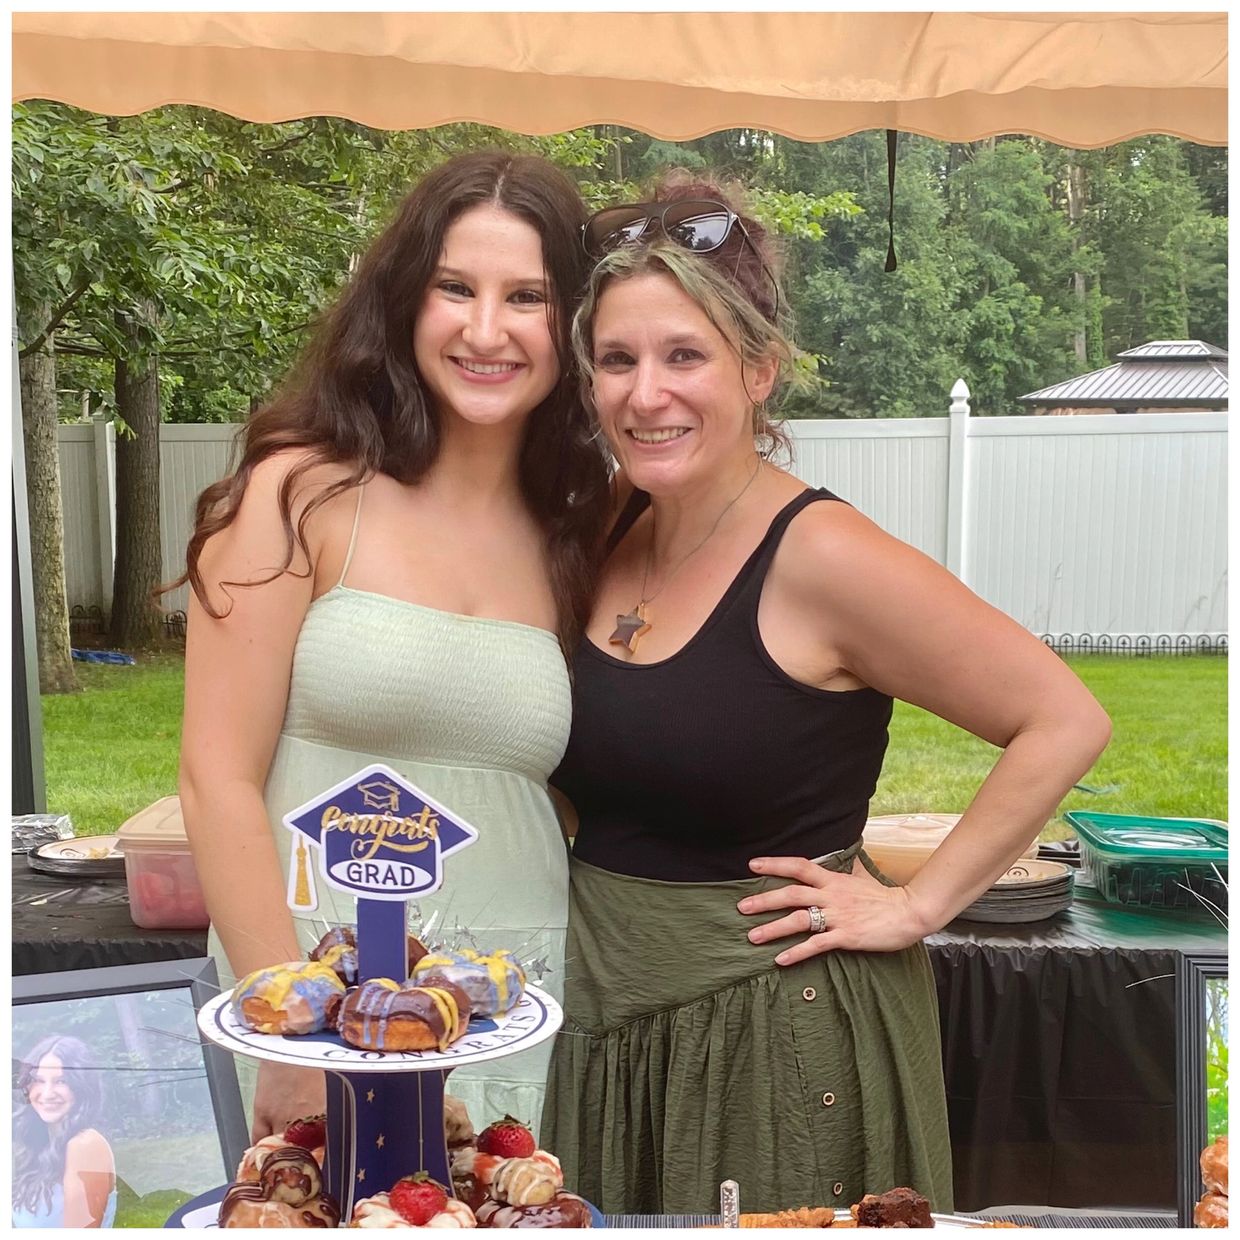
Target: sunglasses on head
698,224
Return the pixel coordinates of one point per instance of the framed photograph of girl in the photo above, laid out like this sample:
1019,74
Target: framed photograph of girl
121,1113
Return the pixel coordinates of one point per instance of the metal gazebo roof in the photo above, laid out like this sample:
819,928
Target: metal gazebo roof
1163,373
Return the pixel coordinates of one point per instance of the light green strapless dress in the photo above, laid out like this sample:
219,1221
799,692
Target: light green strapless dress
476,713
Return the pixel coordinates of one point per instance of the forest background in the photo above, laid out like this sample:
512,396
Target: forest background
168,267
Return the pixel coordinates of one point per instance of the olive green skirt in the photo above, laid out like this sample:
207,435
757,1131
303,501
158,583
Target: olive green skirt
688,1058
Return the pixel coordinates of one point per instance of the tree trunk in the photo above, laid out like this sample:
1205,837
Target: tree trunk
47,534
136,620
1076,213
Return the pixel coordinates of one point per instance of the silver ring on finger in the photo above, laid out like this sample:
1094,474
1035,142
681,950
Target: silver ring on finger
817,920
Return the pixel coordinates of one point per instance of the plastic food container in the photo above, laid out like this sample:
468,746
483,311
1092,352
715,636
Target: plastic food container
1154,862
900,844
163,885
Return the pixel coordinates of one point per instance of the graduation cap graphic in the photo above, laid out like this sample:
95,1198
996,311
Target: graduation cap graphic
376,835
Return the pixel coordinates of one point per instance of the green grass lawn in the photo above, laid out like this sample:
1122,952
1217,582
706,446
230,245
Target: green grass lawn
1167,756
112,749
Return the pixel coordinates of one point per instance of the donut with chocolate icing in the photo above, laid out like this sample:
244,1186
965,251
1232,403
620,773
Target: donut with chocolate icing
301,997
381,1015
338,950
494,982
563,1210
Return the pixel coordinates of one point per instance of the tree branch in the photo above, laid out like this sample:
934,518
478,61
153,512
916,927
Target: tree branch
283,146
83,283
81,350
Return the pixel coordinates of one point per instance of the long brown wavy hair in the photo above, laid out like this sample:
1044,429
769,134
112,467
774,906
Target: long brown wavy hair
356,397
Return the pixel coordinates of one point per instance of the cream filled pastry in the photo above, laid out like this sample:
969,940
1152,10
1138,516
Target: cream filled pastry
377,1211
494,982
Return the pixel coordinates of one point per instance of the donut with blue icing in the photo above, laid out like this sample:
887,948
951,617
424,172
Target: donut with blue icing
338,948
383,1015
301,997
494,981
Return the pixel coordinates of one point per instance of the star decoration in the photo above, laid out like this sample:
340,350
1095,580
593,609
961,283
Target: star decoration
379,1141
540,968
370,1095
361,1175
630,629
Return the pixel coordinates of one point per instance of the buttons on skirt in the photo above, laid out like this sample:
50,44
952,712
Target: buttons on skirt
809,994
828,1100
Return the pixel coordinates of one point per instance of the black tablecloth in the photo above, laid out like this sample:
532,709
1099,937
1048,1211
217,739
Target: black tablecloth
1058,1037
60,925
1059,1054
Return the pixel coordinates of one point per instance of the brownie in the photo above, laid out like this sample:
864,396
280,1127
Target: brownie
901,1207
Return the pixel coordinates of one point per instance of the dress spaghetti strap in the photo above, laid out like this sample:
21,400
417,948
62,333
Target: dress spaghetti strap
357,521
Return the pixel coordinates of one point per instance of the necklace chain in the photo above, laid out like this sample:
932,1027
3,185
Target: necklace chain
649,598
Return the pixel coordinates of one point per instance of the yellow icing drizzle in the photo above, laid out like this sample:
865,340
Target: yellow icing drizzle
451,1014
274,983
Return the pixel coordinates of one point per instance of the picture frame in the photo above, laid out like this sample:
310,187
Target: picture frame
123,1045
1195,973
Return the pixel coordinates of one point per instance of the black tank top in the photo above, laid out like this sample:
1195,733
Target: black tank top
683,770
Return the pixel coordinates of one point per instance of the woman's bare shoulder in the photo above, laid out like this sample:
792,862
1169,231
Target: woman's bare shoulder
89,1149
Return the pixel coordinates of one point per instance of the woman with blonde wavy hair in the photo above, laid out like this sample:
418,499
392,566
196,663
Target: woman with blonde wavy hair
747,997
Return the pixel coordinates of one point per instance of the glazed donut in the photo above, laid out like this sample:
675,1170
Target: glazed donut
563,1210
301,997
1211,1211
1214,1166
494,982
381,1015
338,950
376,1211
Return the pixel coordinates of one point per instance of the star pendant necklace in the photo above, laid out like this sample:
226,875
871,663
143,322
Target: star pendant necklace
633,626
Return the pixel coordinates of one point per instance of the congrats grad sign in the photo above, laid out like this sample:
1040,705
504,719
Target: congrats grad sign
378,837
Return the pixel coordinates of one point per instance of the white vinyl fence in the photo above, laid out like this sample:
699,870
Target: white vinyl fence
1099,530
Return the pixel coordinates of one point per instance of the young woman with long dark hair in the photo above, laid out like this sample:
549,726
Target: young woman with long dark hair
394,573
63,1171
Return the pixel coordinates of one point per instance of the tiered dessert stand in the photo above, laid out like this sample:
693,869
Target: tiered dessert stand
385,1113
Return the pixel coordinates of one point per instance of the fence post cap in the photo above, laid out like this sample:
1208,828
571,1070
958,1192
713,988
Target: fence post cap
960,398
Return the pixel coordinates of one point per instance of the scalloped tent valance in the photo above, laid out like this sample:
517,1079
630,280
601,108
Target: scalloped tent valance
1079,79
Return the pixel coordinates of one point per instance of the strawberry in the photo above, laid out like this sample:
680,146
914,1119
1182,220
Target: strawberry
507,1138
417,1198
309,1133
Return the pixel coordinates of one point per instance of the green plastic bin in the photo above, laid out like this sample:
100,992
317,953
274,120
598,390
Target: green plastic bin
1159,863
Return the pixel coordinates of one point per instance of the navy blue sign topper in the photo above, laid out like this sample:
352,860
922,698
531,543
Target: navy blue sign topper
378,836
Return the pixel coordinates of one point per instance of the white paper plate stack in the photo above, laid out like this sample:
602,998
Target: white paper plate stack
1029,891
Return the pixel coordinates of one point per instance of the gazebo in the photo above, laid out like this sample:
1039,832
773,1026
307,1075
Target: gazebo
1162,376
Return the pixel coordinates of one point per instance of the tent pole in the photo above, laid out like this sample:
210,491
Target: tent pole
29,793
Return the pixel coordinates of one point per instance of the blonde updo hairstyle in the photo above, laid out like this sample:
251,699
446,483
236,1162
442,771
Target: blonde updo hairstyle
733,286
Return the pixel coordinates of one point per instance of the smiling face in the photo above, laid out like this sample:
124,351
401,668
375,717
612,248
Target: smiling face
672,395
49,1093
482,340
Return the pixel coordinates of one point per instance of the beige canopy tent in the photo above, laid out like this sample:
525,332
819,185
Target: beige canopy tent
1079,79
